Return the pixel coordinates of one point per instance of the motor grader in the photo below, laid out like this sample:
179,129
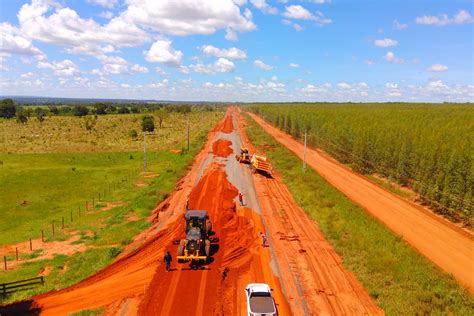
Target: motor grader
244,156
197,244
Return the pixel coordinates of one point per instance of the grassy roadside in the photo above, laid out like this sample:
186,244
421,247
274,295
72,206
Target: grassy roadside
103,233
401,281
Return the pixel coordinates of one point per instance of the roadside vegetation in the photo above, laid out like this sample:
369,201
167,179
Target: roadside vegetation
400,280
50,175
427,147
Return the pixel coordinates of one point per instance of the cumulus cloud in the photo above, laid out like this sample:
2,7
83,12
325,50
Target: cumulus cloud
437,68
105,3
12,42
221,65
399,26
188,17
106,15
60,68
230,53
260,64
298,12
292,24
162,52
461,17
263,6
116,65
390,57
386,42
293,65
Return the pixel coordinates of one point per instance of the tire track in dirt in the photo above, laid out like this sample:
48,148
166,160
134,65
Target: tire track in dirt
307,261
442,242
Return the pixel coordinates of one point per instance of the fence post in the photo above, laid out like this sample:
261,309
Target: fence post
93,203
99,196
42,235
87,206
31,245
79,210
52,224
71,216
62,222
42,280
5,262
16,252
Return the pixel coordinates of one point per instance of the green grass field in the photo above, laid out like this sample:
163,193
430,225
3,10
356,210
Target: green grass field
54,184
400,280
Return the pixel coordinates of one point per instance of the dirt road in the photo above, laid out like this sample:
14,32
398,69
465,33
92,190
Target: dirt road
448,246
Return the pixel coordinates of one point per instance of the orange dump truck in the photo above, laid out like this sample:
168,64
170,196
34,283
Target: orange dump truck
260,164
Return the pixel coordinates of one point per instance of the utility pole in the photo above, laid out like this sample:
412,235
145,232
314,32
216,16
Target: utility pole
304,153
187,123
144,151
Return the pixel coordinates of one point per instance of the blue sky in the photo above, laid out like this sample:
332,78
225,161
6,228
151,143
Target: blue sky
239,50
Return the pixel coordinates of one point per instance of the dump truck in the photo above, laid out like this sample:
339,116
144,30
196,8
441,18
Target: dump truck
197,244
259,300
260,164
244,156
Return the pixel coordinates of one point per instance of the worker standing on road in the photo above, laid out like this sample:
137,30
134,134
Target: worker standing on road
241,198
167,260
187,202
264,239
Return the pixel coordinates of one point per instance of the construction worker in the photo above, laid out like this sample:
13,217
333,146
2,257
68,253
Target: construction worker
264,239
168,260
241,198
187,202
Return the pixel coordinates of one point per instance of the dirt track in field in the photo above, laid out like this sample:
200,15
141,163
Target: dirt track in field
445,244
306,275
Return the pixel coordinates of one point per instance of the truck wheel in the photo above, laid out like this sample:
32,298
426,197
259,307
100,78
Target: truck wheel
208,248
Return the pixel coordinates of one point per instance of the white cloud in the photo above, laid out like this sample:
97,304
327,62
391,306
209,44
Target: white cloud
386,42
369,62
437,85
294,25
343,85
390,57
274,78
125,85
106,15
162,52
188,17
27,75
105,3
293,65
237,78
399,26
461,17
61,68
12,42
437,68
231,53
160,71
260,64
263,6
116,65
321,1
231,35
390,85
300,13
65,27
139,69
221,65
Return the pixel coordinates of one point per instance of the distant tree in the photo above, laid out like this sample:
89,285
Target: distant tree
161,115
100,108
53,110
111,108
7,108
65,110
123,110
148,123
40,114
133,134
21,116
80,110
135,108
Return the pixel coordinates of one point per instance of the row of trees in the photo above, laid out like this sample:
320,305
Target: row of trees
426,147
8,109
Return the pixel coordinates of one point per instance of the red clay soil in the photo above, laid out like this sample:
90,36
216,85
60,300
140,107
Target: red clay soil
309,267
221,148
228,126
442,242
217,289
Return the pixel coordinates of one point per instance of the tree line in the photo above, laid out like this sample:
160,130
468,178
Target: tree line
426,147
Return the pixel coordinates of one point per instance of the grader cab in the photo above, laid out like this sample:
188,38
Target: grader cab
197,244
244,156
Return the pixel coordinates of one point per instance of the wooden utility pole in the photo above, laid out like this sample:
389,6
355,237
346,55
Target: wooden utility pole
304,153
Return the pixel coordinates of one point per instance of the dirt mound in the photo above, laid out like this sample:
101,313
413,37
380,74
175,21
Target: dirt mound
228,126
221,148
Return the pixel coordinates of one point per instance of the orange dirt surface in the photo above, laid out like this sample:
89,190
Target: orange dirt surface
228,126
221,148
310,269
439,240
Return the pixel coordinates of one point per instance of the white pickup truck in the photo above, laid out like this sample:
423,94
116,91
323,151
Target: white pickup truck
259,300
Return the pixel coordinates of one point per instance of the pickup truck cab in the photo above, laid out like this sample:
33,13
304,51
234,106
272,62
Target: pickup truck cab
259,300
